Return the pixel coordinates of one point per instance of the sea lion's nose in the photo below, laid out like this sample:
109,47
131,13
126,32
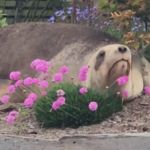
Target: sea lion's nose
122,49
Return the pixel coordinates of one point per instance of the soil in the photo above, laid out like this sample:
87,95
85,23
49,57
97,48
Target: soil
135,116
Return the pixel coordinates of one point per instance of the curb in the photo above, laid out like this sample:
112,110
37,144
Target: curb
138,141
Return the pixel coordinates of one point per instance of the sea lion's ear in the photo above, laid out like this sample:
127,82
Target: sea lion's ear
99,59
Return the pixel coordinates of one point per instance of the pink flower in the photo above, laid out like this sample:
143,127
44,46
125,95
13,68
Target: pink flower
33,96
15,75
64,70
40,65
124,94
43,93
55,105
11,117
58,77
43,84
83,90
5,99
14,113
61,100
93,106
83,73
11,89
60,92
28,102
28,81
19,83
34,63
122,80
35,80
58,103
147,90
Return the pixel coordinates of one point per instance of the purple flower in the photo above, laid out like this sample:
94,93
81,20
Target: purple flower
52,19
59,13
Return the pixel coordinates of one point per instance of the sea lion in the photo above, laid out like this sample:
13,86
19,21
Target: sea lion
114,60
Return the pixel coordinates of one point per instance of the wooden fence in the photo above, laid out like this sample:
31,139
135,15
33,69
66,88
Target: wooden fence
29,10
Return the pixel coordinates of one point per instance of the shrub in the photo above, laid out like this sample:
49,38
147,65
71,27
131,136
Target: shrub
75,111
3,21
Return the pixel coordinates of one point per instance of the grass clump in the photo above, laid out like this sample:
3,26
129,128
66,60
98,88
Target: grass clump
75,111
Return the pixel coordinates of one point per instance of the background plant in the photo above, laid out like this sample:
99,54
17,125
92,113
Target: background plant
132,17
3,21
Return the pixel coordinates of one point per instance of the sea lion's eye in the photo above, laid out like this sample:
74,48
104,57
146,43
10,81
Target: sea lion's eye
102,54
99,59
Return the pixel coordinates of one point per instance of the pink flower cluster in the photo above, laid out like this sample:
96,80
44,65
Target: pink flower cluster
40,65
122,80
28,81
15,75
83,73
11,117
30,100
58,103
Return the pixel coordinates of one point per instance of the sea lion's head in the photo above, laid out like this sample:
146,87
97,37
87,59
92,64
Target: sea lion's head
112,61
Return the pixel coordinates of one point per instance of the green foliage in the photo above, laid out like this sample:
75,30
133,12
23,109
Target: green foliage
3,21
114,32
106,5
75,112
